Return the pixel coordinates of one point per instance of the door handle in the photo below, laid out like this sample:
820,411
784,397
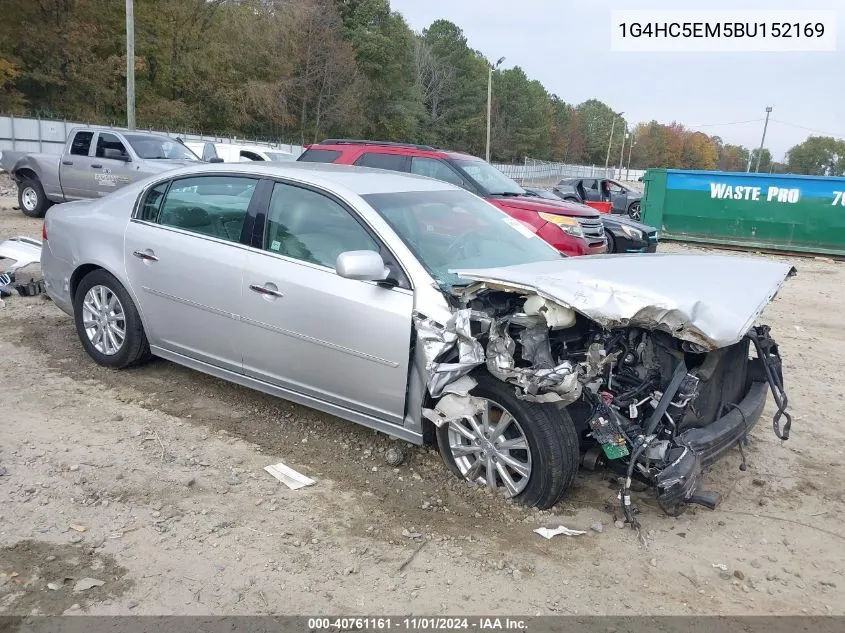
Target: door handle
67,162
149,257
263,290
96,166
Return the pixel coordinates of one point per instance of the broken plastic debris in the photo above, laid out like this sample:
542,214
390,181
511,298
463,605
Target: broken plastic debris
288,476
87,583
548,533
78,528
720,566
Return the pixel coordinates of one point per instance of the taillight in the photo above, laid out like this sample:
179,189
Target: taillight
44,231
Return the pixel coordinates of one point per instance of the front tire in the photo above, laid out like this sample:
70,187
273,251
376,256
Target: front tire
611,243
108,323
31,198
526,450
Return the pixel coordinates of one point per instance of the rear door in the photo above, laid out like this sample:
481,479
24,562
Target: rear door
112,168
308,330
591,189
185,254
75,172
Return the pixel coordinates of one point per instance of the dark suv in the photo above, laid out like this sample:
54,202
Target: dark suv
571,229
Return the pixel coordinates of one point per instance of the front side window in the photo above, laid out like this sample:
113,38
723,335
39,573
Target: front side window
151,147
81,143
311,227
436,169
487,178
448,230
208,205
109,146
393,162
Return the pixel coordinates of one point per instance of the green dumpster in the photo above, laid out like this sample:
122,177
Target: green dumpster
781,212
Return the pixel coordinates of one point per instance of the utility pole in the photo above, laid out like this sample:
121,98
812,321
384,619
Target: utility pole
630,151
622,151
490,68
610,142
762,140
130,65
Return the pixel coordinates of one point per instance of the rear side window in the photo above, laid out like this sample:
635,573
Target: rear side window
209,205
393,162
81,143
590,184
319,156
152,203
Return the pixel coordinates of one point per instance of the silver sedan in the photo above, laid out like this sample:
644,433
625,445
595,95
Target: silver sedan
417,309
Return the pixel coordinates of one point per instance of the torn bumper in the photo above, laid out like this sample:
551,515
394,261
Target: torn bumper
679,482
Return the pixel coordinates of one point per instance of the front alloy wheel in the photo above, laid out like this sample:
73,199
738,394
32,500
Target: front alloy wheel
521,449
104,320
491,448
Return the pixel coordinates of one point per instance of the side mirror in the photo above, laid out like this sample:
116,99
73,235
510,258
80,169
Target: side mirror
216,159
361,265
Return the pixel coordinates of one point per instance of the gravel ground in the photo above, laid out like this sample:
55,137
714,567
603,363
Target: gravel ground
151,482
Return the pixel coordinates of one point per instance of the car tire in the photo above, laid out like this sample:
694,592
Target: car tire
611,243
31,198
121,342
634,211
552,452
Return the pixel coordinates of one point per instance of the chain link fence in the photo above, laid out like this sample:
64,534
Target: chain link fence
539,173
29,134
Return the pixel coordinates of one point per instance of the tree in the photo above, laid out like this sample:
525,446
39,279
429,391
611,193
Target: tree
765,160
817,156
596,119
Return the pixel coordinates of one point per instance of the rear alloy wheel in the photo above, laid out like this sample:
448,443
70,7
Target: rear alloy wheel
108,323
634,211
31,198
521,449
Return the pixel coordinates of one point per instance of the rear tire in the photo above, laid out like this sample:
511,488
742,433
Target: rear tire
634,211
552,452
108,323
31,198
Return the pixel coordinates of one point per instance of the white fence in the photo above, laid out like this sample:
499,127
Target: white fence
46,135
538,173
43,135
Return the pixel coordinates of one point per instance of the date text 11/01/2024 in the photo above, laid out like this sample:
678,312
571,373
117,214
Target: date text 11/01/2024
416,624
722,29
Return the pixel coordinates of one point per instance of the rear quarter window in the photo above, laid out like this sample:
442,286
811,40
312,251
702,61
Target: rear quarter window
319,156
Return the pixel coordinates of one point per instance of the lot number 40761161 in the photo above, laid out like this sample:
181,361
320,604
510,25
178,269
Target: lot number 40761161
839,198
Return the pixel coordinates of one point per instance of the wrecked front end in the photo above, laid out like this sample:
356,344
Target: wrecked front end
658,390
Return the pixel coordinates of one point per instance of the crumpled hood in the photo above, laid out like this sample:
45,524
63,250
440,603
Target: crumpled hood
710,300
538,205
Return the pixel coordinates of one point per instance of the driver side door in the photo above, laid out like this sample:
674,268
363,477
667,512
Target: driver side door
318,336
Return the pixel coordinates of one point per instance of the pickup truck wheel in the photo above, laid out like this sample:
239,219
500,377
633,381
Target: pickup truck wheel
108,323
31,198
524,450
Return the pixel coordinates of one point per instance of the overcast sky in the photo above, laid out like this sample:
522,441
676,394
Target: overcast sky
566,45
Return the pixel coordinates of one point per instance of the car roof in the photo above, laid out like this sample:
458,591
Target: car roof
358,180
389,147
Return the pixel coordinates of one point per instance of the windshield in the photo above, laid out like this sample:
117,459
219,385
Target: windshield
449,230
159,148
278,156
490,180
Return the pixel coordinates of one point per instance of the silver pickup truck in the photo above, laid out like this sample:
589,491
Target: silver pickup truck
94,162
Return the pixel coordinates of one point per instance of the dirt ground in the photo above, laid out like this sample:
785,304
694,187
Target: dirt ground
151,482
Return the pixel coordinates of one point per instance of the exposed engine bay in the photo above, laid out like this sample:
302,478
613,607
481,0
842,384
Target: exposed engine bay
646,404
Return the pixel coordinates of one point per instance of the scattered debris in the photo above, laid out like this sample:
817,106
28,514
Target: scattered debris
408,534
597,527
720,566
233,480
620,524
88,583
53,586
289,476
738,574
23,250
548,533
78,528
3,471
412,556
394,456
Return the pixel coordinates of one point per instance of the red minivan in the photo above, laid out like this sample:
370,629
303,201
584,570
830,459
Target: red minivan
571,229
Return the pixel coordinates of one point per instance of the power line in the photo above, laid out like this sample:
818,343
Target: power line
808,129
728,123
